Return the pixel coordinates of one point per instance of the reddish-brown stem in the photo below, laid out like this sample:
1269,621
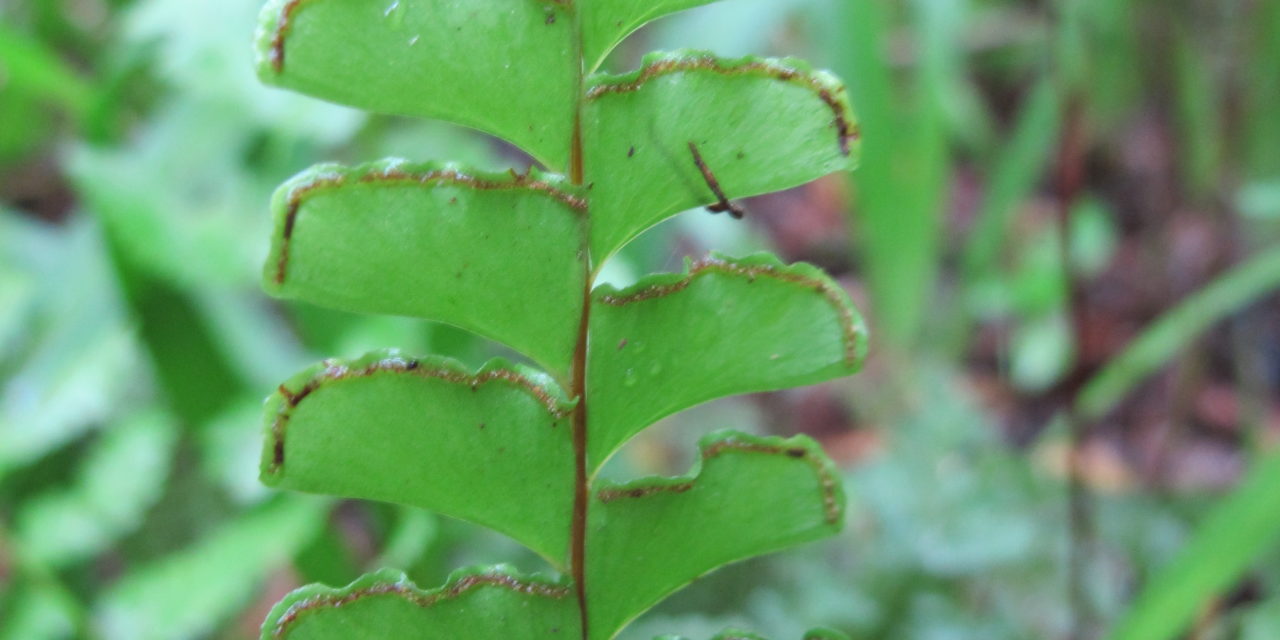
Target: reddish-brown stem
578,533
578,536
575,153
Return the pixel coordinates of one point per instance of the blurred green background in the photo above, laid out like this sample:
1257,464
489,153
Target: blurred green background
1065,232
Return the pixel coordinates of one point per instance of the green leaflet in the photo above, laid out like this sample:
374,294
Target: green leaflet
723,327
480,602
426,239
606,22
491,447
751,496
506,68
759,125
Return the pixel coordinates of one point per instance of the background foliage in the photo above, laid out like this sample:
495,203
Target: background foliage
1065,231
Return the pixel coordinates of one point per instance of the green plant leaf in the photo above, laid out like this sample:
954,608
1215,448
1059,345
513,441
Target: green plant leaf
759,125
508,69
121,479
491,447
187,594
509,257
1018,166
1169,333
479,603
31,67
606,22
751,496
436,242
75,359
1241,527
412,535
1198,115
38,612
722,327
899,189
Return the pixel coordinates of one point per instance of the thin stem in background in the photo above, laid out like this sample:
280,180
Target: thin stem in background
1069,182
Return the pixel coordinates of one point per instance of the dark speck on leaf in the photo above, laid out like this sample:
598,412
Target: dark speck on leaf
551,18
796,453
631,152
622,343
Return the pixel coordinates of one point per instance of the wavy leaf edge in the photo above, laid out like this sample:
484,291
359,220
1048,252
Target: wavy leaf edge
279,406
757,265
273,24
825,85
394,583
290,196
736,442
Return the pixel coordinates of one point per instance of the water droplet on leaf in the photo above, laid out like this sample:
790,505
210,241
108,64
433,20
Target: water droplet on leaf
394,13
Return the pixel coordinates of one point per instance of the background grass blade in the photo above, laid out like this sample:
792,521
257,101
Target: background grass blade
1232,536
1178,326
